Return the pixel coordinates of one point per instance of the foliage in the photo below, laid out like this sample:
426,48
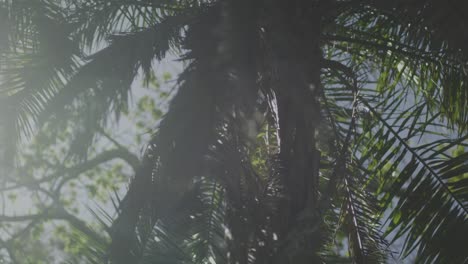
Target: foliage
294,123
46,200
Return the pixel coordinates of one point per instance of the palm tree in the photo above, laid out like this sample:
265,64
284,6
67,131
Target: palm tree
296,124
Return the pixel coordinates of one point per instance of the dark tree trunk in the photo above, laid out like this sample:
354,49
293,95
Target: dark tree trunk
295,34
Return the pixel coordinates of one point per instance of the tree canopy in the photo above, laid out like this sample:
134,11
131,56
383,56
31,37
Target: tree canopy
48,198
323,131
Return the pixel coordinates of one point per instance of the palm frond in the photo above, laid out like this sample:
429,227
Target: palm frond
97,20
99,89
51,80
418,179
395,44
362,222
36,67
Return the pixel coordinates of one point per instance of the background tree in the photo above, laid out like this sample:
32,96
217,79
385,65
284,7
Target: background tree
293,123
49,198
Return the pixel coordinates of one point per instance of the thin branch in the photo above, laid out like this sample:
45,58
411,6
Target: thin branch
8,247
78,169
341,160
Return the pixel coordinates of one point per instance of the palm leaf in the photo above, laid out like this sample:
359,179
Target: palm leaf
393,43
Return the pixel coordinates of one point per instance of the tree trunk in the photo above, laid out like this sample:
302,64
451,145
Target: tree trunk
295,35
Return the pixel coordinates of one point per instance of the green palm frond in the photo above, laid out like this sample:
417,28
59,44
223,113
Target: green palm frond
361,218
96,20
36,65
417,179
399,142
351,190
208,238
397,45
55,77
403,133
99,89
